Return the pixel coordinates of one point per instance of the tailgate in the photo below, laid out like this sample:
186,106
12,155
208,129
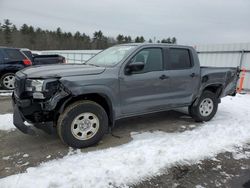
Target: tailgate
231,80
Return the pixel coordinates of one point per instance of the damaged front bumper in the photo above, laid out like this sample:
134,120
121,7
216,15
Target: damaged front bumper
18,121
28,108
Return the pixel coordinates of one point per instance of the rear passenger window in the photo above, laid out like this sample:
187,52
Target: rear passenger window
179,59
14,54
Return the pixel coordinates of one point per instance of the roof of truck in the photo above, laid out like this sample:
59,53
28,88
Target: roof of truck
156,44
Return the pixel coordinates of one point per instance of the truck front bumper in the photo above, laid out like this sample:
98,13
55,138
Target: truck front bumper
19,119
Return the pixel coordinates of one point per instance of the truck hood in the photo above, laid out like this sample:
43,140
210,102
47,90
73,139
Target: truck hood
49,71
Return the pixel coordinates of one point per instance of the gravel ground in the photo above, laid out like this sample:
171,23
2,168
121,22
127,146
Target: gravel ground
19,151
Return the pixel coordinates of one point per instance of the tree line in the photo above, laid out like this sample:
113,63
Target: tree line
39,39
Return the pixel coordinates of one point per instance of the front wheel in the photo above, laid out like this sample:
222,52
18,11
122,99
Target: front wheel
82,124
206,108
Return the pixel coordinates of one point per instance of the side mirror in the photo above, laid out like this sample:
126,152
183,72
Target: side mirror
134,67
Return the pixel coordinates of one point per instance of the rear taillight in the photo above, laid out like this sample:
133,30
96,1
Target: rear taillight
27,62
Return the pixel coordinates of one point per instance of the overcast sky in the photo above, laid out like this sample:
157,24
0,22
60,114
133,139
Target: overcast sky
190,21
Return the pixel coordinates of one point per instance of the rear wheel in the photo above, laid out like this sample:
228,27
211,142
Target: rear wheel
7,81
82,124
206,108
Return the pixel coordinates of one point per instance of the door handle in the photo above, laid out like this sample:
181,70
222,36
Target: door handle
192,75
163,77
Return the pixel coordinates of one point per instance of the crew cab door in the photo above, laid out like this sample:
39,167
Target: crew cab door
184,75
145,90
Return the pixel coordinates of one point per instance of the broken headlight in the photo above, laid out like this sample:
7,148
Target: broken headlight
41,89
34,85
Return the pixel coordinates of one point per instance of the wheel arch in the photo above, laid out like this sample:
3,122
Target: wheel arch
216,88
99,98
2,73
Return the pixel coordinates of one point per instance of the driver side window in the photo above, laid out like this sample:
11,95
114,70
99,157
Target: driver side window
151,57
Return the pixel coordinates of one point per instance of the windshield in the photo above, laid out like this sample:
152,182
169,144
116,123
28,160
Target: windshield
110,56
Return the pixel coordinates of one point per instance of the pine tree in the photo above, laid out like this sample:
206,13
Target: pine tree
142,39
137,39
168,40
7,31
86,41
58,32
120,39
174,41
129,39
77,35
13,28
24,29
98,39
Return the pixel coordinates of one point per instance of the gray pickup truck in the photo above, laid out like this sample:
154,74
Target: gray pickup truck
82,101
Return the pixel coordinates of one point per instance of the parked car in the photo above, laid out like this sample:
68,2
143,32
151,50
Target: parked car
11,61
83,101
43,59
15,59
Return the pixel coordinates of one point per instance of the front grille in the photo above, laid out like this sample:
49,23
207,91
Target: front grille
19,84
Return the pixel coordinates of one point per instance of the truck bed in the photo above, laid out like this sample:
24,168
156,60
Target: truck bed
227,77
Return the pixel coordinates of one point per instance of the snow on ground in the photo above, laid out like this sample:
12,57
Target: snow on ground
5,93
6,122
242,153
148,154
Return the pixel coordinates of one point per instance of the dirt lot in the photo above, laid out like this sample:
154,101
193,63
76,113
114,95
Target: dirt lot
19,151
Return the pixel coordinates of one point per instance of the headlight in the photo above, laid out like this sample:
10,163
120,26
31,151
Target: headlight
41,89
34,85
37,85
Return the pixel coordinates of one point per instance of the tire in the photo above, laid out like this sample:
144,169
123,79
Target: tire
82,124
206,108
7,81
